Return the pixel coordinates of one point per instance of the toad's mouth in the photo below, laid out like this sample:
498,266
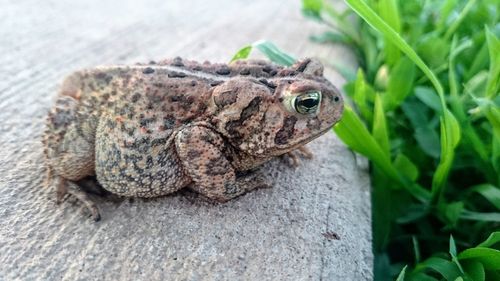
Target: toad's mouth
282,150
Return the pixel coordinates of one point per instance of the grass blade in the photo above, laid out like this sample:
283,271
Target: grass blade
494,73
401,276
379,127
489,192
267,48
492,240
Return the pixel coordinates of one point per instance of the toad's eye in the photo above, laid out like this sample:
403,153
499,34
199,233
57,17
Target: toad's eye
307,103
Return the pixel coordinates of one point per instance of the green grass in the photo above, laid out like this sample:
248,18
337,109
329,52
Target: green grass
425,110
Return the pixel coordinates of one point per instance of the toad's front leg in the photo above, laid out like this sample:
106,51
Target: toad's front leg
201,152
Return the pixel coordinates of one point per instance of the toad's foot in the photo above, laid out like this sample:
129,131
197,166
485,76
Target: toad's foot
64,186
292,157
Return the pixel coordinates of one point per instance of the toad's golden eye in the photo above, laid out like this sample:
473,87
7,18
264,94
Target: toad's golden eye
307,103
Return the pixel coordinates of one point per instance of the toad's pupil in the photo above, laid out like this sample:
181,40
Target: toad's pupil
309,102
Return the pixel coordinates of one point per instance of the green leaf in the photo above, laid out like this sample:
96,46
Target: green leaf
427,96
388,11
447,269
495,155
400,84
406,167
433,49
450,136
428,140
446,9
330,37
242,53
353,132
412,213
480,61
489,192
491,240
453,253
401,275
379,127
362,94
416,248
490,258
421,276
475,270
476,216
453,247
477,84
453,212
267,48
312,8
459,19
274,53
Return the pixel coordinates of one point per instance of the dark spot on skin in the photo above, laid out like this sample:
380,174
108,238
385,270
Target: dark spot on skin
223,70
168,122
251,109
196,68
268,84
215,83
110,124
155,97
104,77
193,83
178,62
149,162
269,70
233,126
148,70
193,154
146,121
245,71
152,62
177,98
136,97
105,96
157,142
175,74
287,72
286,132
226,98
217,166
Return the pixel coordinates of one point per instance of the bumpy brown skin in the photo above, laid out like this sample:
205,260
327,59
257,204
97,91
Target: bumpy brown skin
150,130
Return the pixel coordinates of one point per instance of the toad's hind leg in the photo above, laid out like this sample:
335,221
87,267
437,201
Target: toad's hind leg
64,186
69,148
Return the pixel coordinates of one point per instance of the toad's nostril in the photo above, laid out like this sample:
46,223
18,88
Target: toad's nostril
336,98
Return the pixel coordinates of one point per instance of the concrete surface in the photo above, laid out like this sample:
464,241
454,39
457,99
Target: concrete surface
313,225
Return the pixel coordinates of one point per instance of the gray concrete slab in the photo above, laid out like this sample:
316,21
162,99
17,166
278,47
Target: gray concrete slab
314,224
